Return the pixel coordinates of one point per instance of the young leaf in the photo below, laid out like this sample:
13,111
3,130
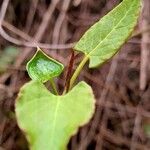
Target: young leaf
43,68
105,37
49,121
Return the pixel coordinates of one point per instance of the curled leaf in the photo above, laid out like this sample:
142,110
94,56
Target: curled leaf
42,68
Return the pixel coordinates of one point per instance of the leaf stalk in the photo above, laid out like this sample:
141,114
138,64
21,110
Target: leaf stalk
77,71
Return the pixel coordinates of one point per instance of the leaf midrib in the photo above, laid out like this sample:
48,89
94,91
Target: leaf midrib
55,119
89,54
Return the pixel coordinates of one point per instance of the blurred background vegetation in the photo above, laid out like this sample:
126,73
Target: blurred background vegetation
121,86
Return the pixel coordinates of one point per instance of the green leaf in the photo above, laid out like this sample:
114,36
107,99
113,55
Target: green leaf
105,37
43,68
49,121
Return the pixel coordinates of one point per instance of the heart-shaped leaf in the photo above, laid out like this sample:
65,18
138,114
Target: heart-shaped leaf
105,37
49,121
43,68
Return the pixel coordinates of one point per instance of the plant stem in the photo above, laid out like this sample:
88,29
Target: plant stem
69,72
77,72
54,86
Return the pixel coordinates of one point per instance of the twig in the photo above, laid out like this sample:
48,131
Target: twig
108,135
144,30
3,11
34,44
29,39
31,14
130,109
145,52
16,31
60,20
136,129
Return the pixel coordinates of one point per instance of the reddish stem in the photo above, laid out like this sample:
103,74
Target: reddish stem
69,71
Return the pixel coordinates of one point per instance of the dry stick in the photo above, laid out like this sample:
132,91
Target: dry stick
2,15
119,140
39,34
59,21
123,116
83,132
145,48
29,39
31,14
64,32
137,124
16,31
46,19
130,109
3,11
141,31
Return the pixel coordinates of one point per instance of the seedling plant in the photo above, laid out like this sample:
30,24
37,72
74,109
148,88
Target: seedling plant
48,118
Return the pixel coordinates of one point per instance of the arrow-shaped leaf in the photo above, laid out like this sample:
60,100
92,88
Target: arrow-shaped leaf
43,68
48,120
105,37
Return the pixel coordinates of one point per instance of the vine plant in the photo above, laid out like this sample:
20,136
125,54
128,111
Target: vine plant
48,119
